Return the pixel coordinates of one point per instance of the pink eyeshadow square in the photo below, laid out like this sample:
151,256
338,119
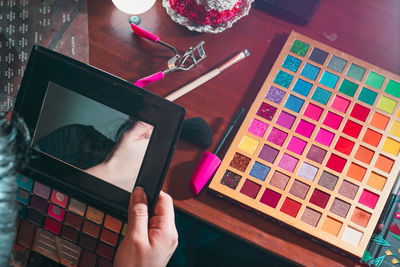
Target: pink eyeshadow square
288,162
313,112
324,137
333,120
340,104
277,136
368,199
285,119
305,128
296,145
257,127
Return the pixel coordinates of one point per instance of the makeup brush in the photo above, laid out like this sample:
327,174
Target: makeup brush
209,162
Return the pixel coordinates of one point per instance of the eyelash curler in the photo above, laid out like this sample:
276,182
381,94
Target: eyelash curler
182,63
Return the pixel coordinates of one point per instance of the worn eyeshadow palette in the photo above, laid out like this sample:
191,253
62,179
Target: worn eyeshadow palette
62,228
318,149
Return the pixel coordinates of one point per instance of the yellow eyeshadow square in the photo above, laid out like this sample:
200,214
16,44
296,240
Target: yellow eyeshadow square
386,104
376,181
391,146
248,145
395,130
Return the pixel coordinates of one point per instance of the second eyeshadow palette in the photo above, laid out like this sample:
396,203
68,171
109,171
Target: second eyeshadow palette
318,149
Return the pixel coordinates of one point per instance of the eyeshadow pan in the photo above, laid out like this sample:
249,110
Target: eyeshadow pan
39,204
87,242
290,207
395,129
393,88
348,88
368,199
337,64
318,56
26,234
359,112
379,121
302,87
310,71
288,162
367,96
339,207
375,80
360,217
307,171
87,258
275,95
386,104
277,136
240,162
257,128
259,171
52,225
285,119
41,190
268,153
23,196
319,198
352,236
112,223
329,79
332,120
313,112
324,137
300,48
352,129
344,145
77,207
250,188
316,154
35,217
328,180
94,215
296,145
311,216
336,163
299,189
356,72
384,163
104,250
321,95
270,198
109,237
248,144
391,146
332,226
59,198
24,182
279,180
371,137
70,234
291,63
305,128
348,189
340,104
294,103
91,229
56,212
376,181
283,79
266,111
73,220
230,179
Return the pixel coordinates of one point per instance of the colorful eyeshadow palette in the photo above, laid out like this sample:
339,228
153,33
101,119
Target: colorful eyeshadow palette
62,228
318,150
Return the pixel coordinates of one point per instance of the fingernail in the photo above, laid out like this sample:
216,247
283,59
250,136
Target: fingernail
139,195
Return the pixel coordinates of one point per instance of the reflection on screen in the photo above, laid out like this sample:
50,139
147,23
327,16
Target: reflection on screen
92,137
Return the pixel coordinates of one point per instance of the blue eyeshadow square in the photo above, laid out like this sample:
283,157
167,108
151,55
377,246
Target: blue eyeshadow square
23,196
259,171
328,79
24,182
320,95
310,71
291,63
283,79
294,103
302,87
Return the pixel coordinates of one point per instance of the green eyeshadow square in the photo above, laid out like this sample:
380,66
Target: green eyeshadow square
320,95
348,88
356,72
375,80
393,88
367,96
283,79
386,104
300,48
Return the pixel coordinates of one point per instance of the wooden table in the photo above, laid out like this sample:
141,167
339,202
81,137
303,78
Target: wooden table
366,29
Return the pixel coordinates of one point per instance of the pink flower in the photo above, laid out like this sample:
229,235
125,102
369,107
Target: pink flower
397,215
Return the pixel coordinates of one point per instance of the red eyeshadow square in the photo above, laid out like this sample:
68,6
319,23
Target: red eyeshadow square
270,198
319,198
290,207
371,137
52,225
359,112
344,145
333,120
313,112
250,188
352,129
336,163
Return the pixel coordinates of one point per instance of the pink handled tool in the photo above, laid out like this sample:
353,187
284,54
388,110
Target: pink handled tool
186,62
209,162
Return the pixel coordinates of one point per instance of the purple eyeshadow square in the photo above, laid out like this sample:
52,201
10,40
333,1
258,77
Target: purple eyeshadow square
275,95
316,154
305,128
288,162
41,190
266,111
296,145
277,136
268,153
324,137
258,128
285,119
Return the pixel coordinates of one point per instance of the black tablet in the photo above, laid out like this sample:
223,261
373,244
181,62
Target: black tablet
94,135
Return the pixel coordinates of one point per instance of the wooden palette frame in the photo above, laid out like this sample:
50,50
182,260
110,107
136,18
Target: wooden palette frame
255,204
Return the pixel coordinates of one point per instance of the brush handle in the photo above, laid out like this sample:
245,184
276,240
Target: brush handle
143,33
149,79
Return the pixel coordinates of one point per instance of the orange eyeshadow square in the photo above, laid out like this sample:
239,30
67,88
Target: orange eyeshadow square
379,121
364,154
356,172
360,217
371,137
376,181
384,163
331,226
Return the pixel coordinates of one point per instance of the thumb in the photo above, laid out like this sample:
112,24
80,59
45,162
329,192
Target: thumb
138,216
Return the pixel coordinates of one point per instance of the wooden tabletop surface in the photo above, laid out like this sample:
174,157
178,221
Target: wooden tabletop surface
366,29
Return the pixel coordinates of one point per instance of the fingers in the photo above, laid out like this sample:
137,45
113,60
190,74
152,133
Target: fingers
138,215
165,208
